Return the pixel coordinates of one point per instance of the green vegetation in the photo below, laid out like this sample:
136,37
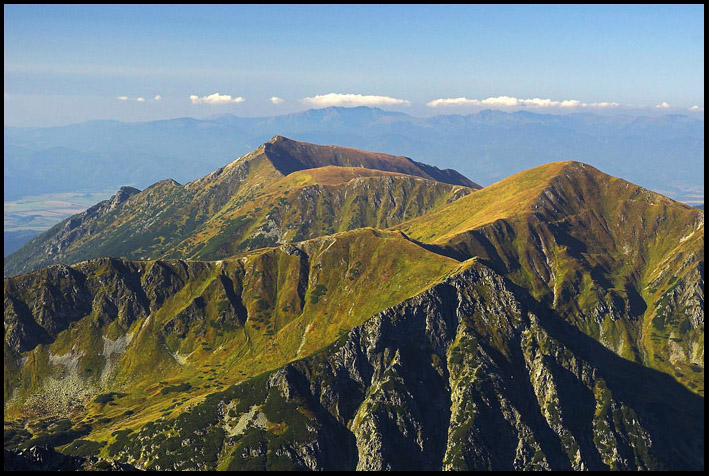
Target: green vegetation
317,293
288,425
169,363
183,387
108,397
50,432
84,448
548,230
250,204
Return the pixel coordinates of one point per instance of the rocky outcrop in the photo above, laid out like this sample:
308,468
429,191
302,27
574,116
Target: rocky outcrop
556,337
46,458
469,375
621,263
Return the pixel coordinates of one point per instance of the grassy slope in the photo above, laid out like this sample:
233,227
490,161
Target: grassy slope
234,208
591,246
507,198
203,324
315,202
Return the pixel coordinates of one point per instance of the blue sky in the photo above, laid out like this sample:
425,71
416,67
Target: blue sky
67,64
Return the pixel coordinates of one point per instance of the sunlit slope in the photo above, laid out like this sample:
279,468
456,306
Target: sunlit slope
116,325
510,197
603,252
380,343
253,202
470,374
147,223
315,202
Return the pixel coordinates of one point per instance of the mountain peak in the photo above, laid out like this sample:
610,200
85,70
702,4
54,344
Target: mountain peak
123,194
550,192
278,138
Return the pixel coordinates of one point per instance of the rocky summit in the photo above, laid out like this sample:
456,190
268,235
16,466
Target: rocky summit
324,308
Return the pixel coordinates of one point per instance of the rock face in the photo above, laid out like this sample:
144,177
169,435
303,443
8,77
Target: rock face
45,458
73,332
469,375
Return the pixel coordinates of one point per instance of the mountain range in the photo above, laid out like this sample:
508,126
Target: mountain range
323,307
663,153
283,191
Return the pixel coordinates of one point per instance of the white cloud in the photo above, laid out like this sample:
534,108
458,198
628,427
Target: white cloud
604,104
537,102
507,101
351,100
215,98
662,105
571,103
697,108
127,98
157,97
277,100
453,102
501,101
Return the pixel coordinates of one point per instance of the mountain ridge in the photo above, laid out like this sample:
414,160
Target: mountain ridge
152,222
293,156
595,248
488,357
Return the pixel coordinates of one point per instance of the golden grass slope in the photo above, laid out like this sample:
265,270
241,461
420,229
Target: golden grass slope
315,202
591,246
206,324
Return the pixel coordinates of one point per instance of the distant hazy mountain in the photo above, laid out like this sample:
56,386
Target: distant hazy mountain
665,153
13,240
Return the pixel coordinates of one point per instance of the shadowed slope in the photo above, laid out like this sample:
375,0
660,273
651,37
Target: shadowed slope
470,374
289,156
407,357
315,202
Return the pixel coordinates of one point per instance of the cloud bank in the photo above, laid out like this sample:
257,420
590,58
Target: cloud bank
215,98
508,101
697,108
276,100
352,100
663,105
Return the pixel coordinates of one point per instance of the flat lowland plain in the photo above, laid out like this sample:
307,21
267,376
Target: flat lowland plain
40,212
